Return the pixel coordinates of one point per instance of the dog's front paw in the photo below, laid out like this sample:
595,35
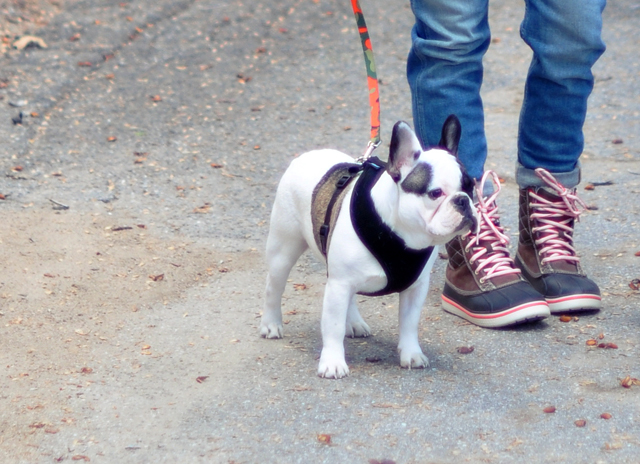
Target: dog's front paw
357,329
413,360
333,368
272,330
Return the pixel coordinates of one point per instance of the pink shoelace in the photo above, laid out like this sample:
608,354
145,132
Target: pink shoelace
556,218
489,233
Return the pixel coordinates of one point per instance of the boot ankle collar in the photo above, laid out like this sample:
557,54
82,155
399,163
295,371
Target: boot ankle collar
528,178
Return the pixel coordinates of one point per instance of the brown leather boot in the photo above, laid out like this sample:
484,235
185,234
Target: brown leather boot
482,283
546,254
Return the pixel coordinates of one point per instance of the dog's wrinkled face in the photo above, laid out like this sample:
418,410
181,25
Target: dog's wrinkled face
434,191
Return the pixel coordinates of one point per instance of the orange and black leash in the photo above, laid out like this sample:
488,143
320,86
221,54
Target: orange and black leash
372,80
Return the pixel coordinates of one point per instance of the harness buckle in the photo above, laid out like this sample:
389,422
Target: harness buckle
344,180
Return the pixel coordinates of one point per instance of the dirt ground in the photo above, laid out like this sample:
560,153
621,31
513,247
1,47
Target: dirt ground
135,201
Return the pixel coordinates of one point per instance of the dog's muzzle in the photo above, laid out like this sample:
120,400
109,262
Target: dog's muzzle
462,204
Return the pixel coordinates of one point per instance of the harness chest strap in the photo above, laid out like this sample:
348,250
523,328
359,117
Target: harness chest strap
401,264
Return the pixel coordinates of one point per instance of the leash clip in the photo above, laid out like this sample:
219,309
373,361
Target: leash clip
368,152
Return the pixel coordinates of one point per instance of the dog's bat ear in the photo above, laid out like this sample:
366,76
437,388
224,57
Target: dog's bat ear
404,149
451,131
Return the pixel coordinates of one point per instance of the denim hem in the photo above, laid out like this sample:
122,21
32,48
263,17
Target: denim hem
528,178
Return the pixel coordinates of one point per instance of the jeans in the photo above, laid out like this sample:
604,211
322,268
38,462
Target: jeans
444,70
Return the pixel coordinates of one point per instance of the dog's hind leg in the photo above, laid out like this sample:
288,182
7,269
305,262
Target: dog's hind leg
284,247
356,326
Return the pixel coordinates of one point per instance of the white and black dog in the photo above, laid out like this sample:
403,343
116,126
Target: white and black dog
377,234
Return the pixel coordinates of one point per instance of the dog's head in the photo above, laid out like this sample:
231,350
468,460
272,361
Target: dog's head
434,190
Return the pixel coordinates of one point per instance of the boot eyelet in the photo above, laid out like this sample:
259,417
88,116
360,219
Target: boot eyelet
482,279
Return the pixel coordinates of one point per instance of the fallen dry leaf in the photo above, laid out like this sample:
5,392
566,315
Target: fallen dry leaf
628,381
608,346
299,286
85,64
605,416
37,425
549,409
565,318
637,253
112,138
216,165
110,76
51,430
612,446
80,457
592,342
86,370
75,37
202,378
634,284
157,278
324,438
465,349
580,423
589,187
202,209
386,405
242,78
155,98
17,168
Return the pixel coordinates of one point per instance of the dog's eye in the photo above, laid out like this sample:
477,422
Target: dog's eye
435,194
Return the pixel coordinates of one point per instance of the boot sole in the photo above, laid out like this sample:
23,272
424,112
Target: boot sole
528,312
572,303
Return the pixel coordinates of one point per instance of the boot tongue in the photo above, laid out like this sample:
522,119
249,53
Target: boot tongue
548,193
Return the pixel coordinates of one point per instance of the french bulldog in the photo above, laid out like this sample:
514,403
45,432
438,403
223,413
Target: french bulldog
381,240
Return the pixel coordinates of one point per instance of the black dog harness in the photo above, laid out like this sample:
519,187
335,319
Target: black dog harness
402,265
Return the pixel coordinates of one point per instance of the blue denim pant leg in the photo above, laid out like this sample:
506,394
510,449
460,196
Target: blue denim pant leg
444,71
565,36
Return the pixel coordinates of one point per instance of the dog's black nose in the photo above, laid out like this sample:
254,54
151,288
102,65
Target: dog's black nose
461,202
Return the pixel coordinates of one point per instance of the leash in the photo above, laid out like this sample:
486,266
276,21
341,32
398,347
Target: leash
372,80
